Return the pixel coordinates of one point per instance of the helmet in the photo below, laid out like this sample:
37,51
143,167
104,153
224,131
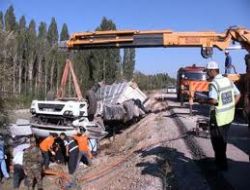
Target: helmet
212,65
226,52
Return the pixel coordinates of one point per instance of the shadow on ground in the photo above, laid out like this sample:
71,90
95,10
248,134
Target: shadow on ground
174,170
160,167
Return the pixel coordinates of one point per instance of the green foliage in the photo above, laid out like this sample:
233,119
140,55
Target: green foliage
21,37
10,20
1,21
31,37
153,82
107,59
42,31
53,32
128,63
64,33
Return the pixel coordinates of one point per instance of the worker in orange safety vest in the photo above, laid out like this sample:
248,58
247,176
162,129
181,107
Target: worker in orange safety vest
46,147
84,150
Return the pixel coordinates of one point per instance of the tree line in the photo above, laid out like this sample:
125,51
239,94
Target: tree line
31,63
152,82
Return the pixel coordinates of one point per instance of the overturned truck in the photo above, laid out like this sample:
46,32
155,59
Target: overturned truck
68,115
122,101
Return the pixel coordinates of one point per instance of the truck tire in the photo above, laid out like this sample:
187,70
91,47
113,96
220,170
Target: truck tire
92,104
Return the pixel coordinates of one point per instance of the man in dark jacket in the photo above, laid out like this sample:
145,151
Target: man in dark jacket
228,64
60,151
247,62
72,151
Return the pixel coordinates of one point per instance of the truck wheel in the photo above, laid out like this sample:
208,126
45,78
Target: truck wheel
92,104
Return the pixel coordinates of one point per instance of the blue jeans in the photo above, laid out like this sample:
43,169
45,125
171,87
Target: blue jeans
45,159
83,156
4,168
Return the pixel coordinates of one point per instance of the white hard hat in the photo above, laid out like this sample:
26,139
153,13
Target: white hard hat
212,65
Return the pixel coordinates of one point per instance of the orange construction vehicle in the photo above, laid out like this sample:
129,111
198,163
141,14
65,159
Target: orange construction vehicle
187,74
165,38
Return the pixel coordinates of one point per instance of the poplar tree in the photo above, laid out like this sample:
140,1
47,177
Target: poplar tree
64,35
128,63
53,40
42,59
1,21
21,50
10,20
108,59
31,53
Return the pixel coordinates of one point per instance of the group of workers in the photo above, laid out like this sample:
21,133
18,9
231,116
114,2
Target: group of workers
30,159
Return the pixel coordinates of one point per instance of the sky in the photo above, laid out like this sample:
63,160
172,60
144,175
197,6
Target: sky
175,15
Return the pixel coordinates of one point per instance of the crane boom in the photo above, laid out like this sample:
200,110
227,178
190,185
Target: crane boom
160,38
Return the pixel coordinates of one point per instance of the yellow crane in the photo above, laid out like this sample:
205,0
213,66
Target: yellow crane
160,38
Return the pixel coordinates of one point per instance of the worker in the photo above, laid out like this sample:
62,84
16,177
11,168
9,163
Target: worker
60,152
247,62
32,164
46,147
2,160
223,96
228,64
72,151
83,144
18,173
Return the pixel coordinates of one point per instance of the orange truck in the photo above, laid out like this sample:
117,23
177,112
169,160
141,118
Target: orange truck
190,79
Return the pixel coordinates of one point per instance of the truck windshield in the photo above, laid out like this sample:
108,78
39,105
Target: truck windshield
195,76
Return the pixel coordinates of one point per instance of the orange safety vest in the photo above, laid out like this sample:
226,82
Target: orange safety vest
82,142
47,143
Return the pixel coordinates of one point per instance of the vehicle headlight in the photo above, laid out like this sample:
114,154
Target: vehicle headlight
68,113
